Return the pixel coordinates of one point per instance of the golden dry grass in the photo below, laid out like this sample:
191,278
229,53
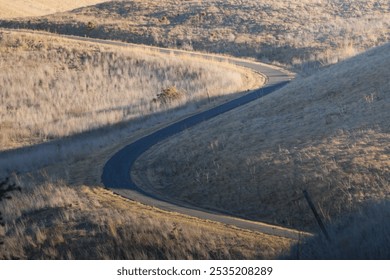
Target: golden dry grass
53,87
328,134
303,34
51,220
28,8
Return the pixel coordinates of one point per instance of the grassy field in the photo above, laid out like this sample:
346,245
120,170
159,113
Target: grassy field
26,8
301,34
79,86
328,133
62,211
54,220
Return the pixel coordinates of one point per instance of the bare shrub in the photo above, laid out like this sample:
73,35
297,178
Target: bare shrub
91,25
168,95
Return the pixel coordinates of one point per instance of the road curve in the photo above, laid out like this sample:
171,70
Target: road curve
116,172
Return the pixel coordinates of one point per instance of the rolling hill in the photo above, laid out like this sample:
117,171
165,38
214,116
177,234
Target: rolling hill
79,86
328,134
301,34
62,211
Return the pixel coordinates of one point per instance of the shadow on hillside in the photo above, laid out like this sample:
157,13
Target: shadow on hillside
264,51
79,146
126,242
362,235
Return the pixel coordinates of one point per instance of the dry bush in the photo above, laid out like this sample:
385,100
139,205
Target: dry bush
168,95
51,220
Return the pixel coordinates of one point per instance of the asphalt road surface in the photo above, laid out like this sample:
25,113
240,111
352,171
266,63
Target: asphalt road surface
117,176
116,172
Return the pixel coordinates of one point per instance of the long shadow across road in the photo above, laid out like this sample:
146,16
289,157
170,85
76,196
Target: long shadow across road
117,176
116,172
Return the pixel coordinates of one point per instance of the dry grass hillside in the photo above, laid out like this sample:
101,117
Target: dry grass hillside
28,8
53,220
53,87
300,33
328,133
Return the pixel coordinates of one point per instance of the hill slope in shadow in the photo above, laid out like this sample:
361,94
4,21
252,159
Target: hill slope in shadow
328,133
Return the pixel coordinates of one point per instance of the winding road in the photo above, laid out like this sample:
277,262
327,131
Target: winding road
117,170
